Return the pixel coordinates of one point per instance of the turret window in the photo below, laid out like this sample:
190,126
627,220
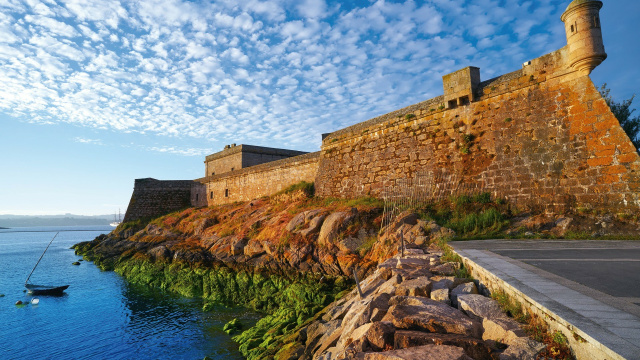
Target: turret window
572,29
596,21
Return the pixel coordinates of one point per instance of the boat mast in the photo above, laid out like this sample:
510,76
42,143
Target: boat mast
45,250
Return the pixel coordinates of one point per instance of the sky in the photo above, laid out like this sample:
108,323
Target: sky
97,93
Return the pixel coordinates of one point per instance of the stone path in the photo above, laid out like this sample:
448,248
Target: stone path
592,285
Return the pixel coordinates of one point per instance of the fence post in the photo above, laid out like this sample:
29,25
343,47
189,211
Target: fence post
402,243
355,276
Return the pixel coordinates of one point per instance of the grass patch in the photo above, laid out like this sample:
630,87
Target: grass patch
557,344
367,246
306,187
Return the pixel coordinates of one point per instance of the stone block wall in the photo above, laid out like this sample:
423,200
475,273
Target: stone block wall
540,136
260,180
234,158
152,198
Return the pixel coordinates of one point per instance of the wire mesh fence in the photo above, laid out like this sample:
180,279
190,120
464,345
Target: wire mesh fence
425,188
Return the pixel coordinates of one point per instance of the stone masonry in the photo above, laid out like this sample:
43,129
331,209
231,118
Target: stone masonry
541,136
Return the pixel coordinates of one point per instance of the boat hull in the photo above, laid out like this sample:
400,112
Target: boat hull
45,290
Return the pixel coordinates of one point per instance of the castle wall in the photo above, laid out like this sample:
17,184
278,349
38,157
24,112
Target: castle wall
260,180
152,198
225,164
540,136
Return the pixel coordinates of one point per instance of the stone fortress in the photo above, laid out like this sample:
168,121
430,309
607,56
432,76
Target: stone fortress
540,135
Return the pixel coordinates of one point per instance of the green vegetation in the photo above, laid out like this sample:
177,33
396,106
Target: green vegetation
287,301
410,116
556,342
470,216
307,187
507,119
622,112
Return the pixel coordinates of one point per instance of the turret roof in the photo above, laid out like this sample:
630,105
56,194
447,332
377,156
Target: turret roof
575,3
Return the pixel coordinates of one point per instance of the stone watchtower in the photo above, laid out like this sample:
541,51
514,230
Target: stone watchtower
584,35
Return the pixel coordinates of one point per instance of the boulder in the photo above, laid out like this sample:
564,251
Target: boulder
410,274
474,348
389,287
332,226
447,269
356,340
208,241
480,306
522,349
441,295
313,225
160,253
201,225
412,263
329,341
350,244
442,282
318,333
380,335
426,352
407,312
360,313
254,248
467,288
410,252
415,287
504,330
378,314
296,222
237,245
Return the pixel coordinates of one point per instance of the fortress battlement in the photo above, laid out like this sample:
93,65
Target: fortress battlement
539,136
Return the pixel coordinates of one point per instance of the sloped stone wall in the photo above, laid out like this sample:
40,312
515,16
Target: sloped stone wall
542,136
152,198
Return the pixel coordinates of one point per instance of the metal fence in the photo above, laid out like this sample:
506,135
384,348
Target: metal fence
425,188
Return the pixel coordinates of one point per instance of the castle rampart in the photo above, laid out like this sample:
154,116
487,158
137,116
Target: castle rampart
260,180
541,136
153,197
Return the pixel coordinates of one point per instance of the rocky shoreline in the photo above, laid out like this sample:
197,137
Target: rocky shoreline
294,259
414,308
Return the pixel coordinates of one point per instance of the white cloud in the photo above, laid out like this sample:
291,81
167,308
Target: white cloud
254,70
88,141
51,25
312,8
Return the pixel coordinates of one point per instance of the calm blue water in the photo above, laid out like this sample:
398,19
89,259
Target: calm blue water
101,316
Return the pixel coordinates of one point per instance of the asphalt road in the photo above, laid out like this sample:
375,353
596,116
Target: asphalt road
611,267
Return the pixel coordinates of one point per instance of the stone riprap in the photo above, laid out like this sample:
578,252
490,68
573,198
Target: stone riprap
388,323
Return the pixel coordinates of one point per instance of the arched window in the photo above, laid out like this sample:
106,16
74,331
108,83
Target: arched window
572,30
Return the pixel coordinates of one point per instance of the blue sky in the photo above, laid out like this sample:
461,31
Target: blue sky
96,93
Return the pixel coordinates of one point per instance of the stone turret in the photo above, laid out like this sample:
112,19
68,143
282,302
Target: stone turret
584,35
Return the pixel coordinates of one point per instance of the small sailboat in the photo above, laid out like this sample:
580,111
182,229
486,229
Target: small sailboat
115,222
44,289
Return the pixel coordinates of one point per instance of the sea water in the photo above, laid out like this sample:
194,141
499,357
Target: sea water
100,316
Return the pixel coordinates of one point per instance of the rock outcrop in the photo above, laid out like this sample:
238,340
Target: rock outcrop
397,318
